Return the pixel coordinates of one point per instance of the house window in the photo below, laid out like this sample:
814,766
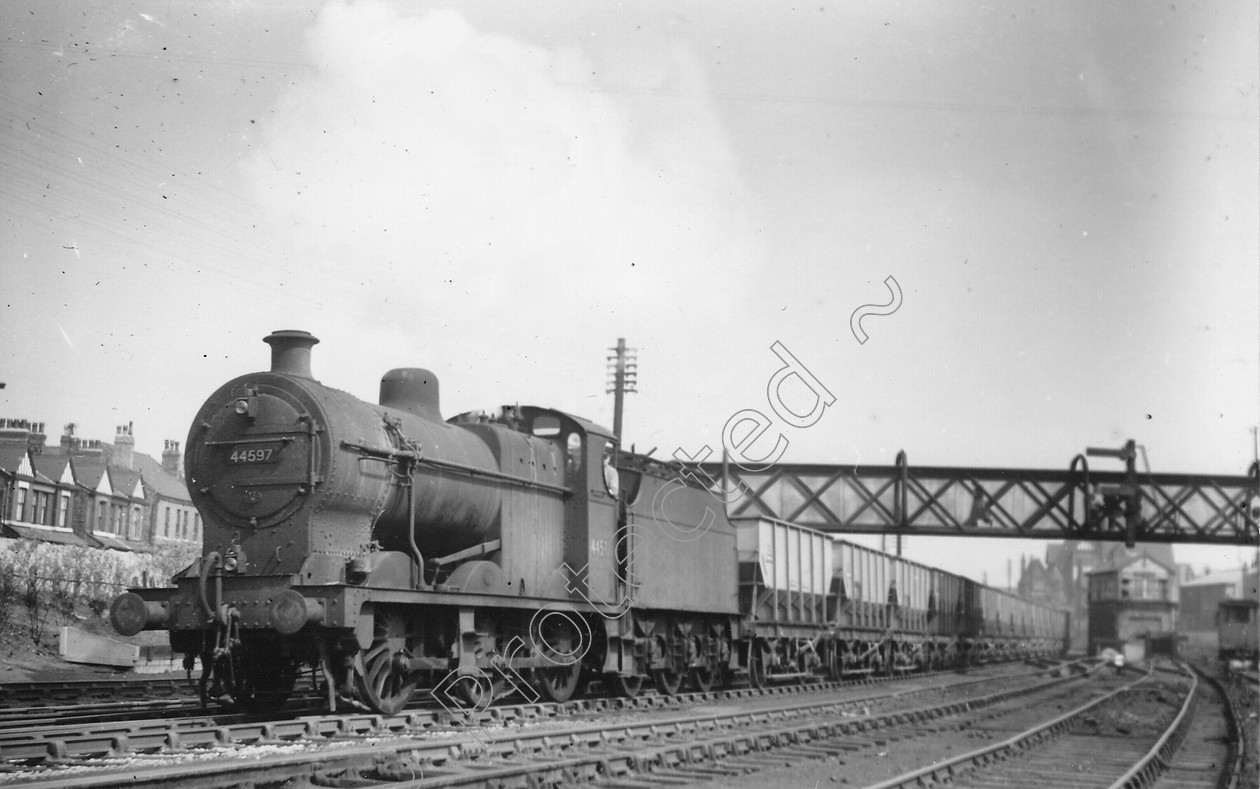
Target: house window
19,504
41,507
166,525
63,510
100,517
196,526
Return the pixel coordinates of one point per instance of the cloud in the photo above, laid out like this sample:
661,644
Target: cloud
439,165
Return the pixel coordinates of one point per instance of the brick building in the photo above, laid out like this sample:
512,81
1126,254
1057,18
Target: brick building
91,493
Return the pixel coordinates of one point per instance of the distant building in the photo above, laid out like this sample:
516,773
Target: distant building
1063,579
1038,583
91,493
1200,598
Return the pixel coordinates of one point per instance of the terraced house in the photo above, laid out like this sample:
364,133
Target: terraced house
91,493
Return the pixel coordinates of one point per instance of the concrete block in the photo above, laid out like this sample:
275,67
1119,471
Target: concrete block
78,646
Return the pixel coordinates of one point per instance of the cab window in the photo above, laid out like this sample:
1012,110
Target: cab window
573,448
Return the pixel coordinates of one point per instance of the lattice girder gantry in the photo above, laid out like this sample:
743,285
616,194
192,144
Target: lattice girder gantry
1074,504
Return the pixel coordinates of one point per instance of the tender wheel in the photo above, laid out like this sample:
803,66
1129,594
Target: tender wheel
381,676
725,677
560,683
666,681
619,685
701,679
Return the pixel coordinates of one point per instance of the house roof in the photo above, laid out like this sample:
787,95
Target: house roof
50,464
123,480
157,481
11,457
88,471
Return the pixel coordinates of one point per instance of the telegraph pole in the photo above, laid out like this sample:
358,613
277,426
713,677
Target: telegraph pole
1254,506
623,371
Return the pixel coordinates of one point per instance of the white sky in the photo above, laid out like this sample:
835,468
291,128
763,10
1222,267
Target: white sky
1067,193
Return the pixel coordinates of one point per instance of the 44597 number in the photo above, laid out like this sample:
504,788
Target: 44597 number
263,454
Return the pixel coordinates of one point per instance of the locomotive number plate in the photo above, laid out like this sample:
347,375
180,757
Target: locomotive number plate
254,453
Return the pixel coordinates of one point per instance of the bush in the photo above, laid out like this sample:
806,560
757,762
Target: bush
52,580
9,592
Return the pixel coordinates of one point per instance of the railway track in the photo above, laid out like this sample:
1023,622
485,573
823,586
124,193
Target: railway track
24,695
1167,732
40,734
626,736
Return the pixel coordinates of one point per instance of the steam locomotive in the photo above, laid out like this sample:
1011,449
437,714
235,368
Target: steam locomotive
387,550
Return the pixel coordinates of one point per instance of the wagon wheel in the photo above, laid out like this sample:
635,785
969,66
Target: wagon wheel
619,685
758,656
381,675
874,659
835,663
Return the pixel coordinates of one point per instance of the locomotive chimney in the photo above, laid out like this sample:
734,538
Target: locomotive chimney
291,352
413,390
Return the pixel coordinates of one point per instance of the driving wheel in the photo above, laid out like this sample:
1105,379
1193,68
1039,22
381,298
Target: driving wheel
382,678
